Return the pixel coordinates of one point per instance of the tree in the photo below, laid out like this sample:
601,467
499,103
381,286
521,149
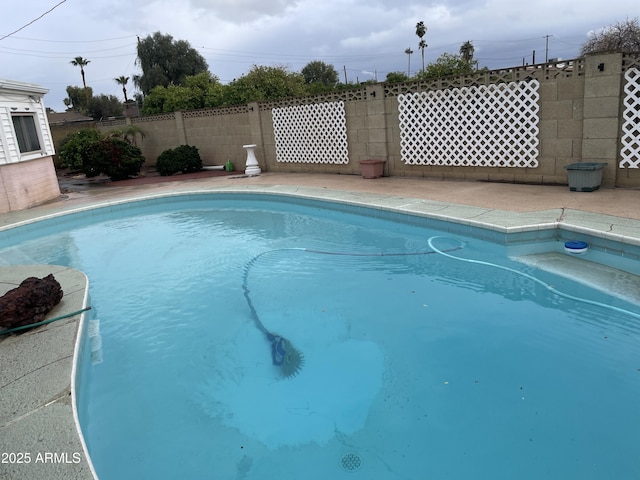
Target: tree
446,65
199,91
78,99
81,62
128,133
320,72
408,51
421,30
264,83
164,62
621,36
104,106
396,77
466,52
122,80
207,88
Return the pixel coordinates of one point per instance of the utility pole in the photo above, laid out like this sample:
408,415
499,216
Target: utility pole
546,55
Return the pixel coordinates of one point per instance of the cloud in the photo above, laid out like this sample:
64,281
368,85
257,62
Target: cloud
239,11
372,39
233,35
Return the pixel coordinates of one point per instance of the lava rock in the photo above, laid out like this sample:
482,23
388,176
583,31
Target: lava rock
30,301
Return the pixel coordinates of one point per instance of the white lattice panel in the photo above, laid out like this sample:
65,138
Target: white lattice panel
487,125
630,151
314,133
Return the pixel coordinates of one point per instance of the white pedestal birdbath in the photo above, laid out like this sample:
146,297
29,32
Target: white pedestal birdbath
252,167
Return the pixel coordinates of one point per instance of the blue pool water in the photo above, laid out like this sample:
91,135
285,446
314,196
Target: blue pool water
416,366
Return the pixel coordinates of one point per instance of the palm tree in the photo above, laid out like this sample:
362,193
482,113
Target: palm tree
466,51
128,134
408,51
421,30
81,62
122,80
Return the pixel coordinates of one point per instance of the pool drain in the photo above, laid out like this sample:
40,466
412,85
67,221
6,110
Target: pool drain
351,462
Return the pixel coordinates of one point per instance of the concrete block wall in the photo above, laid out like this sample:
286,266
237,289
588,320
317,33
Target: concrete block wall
560,126
218,137
161,132
601,116
579,120
373,132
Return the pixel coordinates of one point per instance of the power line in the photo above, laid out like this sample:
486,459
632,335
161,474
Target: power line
34,20
61,55
73,41
66,53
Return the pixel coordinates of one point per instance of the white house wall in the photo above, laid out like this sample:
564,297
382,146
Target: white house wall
4,145
11,103
10,152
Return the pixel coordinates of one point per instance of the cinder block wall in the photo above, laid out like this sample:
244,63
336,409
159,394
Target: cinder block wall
218,134
579,120
561,112
161,132
601,113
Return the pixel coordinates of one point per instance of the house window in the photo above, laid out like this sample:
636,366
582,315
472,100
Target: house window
26,132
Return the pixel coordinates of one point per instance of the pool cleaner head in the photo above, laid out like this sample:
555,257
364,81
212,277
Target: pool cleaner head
285,356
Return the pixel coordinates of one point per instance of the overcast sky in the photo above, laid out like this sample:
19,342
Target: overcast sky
368,38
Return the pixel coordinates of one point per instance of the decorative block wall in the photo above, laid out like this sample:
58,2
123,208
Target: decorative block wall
487,125
532,119
630,141
313,133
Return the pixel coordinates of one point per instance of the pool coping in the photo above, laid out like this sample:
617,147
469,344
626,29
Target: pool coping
508,222
606,227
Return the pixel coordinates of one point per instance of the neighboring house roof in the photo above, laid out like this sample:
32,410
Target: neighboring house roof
61,118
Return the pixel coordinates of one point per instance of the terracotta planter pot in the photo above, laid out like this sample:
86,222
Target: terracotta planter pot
372,168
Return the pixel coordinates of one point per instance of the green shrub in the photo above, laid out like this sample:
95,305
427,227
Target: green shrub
115,158
184,158
74,148
166,164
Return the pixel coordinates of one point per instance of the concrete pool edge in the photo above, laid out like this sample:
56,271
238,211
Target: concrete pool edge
505,222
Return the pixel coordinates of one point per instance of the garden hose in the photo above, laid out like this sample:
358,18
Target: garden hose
44,322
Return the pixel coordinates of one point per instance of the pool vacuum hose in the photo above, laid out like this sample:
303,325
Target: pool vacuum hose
290,360
283,354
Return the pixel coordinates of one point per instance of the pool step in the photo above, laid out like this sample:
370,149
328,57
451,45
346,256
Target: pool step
610,280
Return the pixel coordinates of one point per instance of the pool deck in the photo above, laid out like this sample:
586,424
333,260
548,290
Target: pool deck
35,381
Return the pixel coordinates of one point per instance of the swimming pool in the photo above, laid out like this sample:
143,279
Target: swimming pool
417,364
